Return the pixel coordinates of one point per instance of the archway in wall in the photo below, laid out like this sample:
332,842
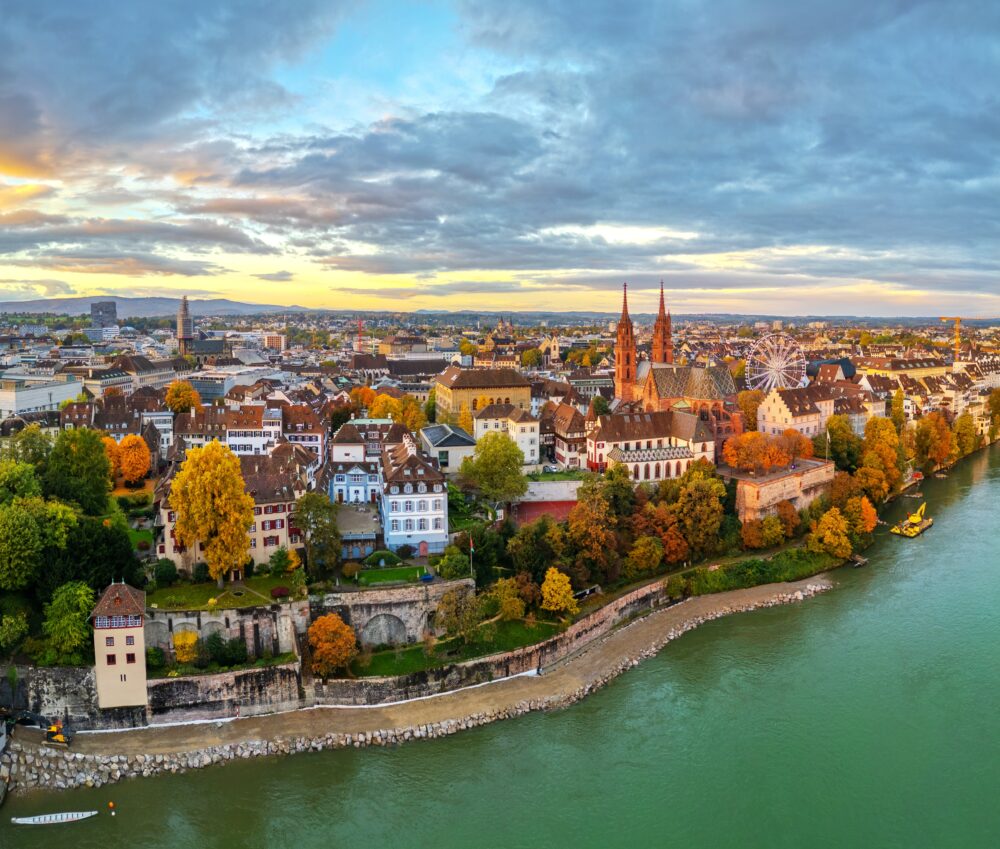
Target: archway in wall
384,630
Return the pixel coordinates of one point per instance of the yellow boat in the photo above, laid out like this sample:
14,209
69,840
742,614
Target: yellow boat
914,524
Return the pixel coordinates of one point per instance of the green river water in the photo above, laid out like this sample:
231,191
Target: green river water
866,717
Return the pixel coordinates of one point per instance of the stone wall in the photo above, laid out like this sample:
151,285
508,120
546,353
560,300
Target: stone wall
373,691
392,615
253,691
270,628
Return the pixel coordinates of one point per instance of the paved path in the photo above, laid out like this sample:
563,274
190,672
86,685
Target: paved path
586,667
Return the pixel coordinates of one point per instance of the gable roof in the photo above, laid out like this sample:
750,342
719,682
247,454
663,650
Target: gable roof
454,377
120,600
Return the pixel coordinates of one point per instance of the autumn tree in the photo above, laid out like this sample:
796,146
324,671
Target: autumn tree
933,440
362,397
645,557
756,452
965,433
495,468
31,445
506,593
557,593
209,497
700,509
134,458
831,534
114,455
772,531
789,518
881,453
661,520
591,530
316,517
795,444
333,644
537,545
752,533
532,358
749,402
78,470
181,397
898,414
465,419
459,614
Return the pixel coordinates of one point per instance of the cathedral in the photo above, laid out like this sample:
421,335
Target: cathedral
658,383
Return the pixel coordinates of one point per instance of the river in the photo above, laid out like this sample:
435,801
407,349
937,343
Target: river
865,717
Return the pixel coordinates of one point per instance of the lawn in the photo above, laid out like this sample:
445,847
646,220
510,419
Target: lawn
564,475
403,661
256,591
138,536
367,577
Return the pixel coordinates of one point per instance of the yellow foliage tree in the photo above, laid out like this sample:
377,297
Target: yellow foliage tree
133,458
465,419
185,646
333,644
831,534
182,396
557,594
209,496
114,455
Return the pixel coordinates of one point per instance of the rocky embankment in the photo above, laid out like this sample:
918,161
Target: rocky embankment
26,766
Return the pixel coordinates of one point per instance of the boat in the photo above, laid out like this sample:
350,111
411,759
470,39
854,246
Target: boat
858,561
914,524
52,819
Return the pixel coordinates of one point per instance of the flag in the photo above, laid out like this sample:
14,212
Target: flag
472,546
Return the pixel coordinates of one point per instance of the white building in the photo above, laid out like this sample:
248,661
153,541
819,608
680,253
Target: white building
518,425
29,394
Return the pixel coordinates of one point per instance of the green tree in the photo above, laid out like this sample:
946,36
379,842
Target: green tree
453,564
78,470
96,551
66,622
17,480
966,435
601,406
845,445
700,510
31,445
495,469
20,546
13,629
898,414
459,614
430,406
532,358
316,517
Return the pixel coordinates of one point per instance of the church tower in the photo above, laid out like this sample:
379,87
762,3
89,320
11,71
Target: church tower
625,354
185,328
663,343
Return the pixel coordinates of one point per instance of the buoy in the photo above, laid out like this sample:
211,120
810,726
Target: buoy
111,807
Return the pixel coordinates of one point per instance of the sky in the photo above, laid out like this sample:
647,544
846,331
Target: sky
759,156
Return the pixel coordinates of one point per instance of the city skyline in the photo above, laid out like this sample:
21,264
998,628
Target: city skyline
449,156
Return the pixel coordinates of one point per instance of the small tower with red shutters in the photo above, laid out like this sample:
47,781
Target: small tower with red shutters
663,343
625,354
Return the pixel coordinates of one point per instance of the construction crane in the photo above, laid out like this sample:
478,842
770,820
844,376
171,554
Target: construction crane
958,334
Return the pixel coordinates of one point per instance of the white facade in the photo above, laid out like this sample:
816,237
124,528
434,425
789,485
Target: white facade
30,395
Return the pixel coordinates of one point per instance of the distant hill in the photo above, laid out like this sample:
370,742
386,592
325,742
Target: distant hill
142,307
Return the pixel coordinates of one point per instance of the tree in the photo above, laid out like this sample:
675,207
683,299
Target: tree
843,444
13,629
134,458
749,402
114,455
17,480
20,546
316,518
591,531
795,444
333,644
645,557
601,406
881,451
898,414
362,396
772,531
700,510
752,533
536,546
78,470
282,561
67,620
830,534
186,646
209,497
95,551
465,419
758,452
495,468
966,435
873,483
789,518
557,594
661,520
933,440
181,397
430,407
508,598
31,445
459,614
532,358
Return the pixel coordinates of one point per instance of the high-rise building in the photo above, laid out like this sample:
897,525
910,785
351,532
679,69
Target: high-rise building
185,328
625,353
103,314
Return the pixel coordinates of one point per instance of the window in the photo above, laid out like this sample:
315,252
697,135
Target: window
408,506
437,525
130,640
111,660
409,525
437,503
422,525
109,641
130,658
394,525
421,506
393,506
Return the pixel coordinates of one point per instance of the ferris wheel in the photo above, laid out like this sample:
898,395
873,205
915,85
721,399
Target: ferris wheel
775,362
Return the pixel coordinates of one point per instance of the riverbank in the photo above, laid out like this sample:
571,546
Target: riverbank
97,759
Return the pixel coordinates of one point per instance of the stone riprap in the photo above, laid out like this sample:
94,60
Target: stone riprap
26,766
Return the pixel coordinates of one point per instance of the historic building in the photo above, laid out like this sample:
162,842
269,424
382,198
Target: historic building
185,328
625,354
414,503
120,647
457,388
519,425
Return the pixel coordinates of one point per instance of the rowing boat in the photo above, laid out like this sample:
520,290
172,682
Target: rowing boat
51,819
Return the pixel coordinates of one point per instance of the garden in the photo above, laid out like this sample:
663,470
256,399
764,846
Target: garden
213,654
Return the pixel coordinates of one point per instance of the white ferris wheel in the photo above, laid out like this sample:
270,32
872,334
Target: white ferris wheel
775,362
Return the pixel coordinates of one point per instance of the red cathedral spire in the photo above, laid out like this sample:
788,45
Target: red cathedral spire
663,343
625,353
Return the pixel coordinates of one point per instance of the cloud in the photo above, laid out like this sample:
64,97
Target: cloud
129,264
276,276
14,290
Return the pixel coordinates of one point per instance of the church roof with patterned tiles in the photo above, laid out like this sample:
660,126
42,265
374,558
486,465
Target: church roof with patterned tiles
650,455
120,600
710,383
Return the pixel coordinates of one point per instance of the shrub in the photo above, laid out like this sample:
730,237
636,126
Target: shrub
185,646
350,570
376,558
142,545
155,659
279,592
406,551
249,569
200,573
165,573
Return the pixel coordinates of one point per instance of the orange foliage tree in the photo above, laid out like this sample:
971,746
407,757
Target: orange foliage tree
755,451
182,396
795,444
134,458
333,644
789,517
114,455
